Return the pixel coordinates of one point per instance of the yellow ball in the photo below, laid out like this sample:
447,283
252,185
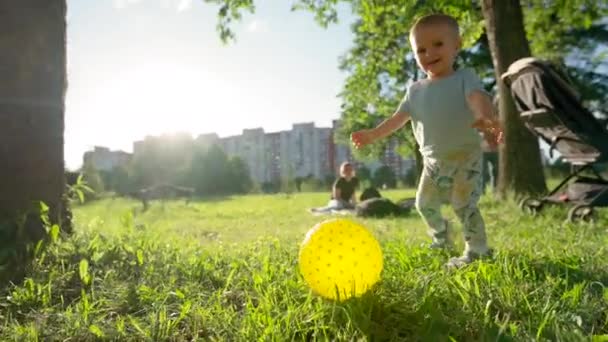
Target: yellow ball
340,259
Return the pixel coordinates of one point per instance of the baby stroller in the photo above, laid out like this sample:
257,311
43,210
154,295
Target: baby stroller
550,108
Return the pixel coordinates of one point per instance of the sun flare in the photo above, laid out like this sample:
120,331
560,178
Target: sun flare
160,98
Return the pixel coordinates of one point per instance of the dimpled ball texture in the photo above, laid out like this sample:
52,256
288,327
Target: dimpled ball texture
340,259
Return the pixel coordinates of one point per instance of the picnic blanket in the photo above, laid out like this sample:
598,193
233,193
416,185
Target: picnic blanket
374,207
334,207
331,211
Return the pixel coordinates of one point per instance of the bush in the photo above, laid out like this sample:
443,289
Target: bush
312,185
409,179
270,187
384,176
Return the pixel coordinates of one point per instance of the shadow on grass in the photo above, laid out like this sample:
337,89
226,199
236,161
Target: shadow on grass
567,270
435,308
145,206
212,198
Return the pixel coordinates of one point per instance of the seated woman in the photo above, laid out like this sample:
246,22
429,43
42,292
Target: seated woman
345,187
343,195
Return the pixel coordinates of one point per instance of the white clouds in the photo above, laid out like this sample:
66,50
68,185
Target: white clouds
258,25
177,5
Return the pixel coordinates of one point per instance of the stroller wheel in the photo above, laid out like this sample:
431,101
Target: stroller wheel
531,205
581,212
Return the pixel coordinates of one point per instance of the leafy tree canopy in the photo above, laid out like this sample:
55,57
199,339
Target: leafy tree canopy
380,64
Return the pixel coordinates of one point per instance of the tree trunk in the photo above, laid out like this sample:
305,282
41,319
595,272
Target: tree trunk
33,64
520,166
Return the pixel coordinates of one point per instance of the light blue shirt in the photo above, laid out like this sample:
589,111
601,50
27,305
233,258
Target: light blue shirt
441,118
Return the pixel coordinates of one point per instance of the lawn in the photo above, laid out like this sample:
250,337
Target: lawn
225,269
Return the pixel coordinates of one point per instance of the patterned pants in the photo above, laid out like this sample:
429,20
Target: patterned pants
455,180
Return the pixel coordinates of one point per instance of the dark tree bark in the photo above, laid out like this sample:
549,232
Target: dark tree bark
520,166
33,68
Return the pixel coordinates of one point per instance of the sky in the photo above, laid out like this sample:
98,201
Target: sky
150,67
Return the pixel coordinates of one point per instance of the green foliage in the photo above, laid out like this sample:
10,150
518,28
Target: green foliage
384,175
119,179
228,12
178,160
238,173
288,181
209,171
410,179
202,272
93,180
573,34
79,190
213,173
270,187
329,180
312,184
364,175
380,63
556,28
163,160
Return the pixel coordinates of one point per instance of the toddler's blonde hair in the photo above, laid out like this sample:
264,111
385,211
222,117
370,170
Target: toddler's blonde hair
435,19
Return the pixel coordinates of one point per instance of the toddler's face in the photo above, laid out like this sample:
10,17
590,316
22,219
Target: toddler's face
435,47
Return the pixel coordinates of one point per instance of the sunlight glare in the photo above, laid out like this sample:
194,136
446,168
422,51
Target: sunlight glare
154,99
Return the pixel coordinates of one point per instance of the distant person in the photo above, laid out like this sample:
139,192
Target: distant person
345,187
490,160
343,192
448,110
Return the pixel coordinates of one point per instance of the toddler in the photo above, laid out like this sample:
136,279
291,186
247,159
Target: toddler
449,109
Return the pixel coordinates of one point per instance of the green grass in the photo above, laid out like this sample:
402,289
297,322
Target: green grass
226,270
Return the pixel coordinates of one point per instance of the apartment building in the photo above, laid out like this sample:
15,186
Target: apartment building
304,150
207,139
272,145
254,152
103,159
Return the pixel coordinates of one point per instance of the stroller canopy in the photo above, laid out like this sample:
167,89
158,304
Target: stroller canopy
551,108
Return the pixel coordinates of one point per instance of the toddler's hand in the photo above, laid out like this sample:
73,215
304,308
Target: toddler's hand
491,131
362,138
